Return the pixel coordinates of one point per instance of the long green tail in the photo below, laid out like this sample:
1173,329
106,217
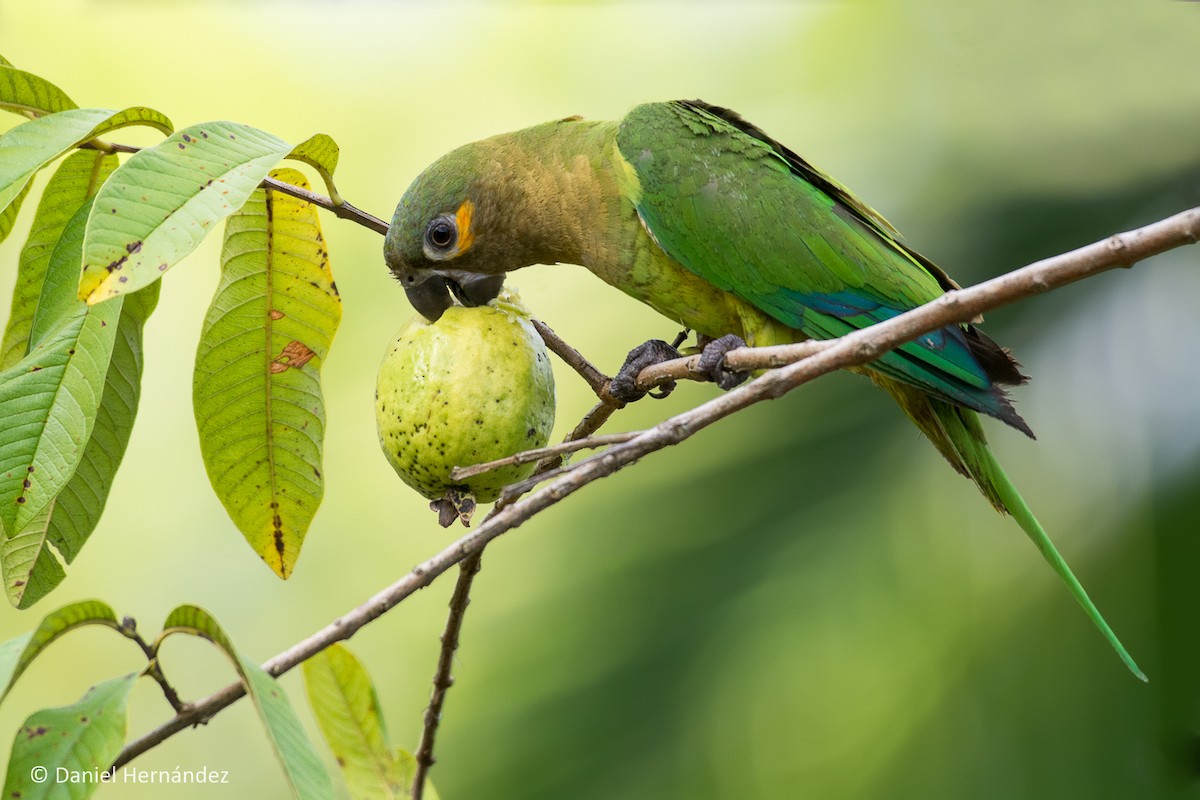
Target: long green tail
1033,529
959,437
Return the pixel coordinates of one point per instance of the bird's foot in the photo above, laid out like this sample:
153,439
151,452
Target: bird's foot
712,361
624,383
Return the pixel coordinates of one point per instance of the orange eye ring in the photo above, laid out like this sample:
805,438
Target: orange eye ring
466,237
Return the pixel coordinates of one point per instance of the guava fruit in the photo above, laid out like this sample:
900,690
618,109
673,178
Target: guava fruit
474,386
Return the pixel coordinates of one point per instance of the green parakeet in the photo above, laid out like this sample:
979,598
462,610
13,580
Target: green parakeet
699,214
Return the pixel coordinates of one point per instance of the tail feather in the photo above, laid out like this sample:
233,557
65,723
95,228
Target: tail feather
959,437
1028,522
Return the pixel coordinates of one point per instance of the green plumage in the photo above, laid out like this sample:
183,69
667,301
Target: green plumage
701,215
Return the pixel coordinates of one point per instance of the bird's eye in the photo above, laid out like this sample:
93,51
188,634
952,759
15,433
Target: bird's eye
442,233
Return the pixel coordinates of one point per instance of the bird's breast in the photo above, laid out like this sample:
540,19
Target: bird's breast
631,260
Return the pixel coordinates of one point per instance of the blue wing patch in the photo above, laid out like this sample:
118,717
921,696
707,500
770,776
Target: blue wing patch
940,361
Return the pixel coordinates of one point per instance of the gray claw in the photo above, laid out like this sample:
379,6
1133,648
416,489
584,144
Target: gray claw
624,383
712,361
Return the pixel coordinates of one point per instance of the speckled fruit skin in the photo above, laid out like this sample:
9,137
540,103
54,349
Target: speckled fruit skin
474,386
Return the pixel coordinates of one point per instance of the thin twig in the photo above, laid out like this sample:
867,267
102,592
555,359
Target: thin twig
514,490
343,209
443,679
1122,250
600,383
574,359
525,456
592,421
128,629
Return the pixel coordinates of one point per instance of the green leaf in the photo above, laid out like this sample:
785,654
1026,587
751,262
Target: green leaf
301,764
26,93
257,390
8,216
76,179
30,570
348,713
321,153
347,709
17,654
158,206
29,147
49,400
57,301
82,739
78,506
5,62
198,622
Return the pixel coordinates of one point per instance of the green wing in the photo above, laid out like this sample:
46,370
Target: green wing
750,216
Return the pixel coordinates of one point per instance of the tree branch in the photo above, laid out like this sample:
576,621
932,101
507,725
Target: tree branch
442,678
743,359
1122,250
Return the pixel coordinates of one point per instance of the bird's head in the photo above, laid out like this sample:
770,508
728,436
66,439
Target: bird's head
455,230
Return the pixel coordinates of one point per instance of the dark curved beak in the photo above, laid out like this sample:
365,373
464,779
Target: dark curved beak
475,290
432,297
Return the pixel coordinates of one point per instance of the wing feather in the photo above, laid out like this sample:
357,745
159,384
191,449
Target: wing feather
750,216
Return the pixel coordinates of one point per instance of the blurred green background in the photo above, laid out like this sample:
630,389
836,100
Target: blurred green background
803,601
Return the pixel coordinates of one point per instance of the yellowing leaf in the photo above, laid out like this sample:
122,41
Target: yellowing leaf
321,153
257,390
347,710
161,203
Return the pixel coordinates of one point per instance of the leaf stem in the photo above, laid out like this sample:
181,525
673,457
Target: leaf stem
128,628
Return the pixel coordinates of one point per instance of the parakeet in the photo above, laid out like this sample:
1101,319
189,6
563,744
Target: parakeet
694,211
